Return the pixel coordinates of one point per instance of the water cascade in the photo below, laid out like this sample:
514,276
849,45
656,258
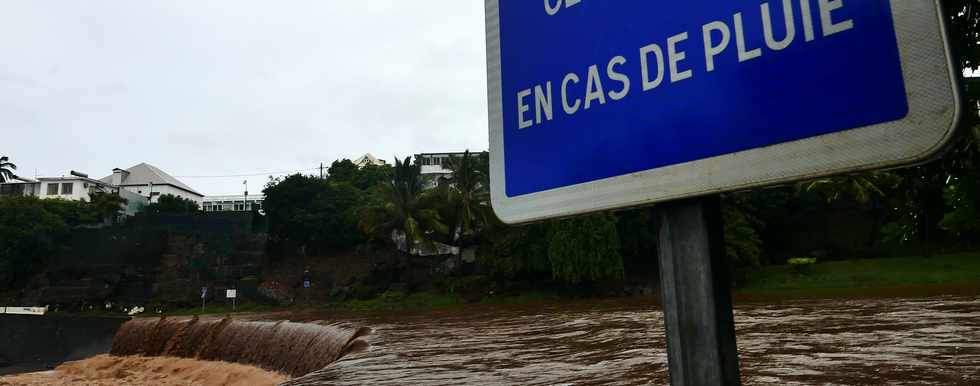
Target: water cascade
289,348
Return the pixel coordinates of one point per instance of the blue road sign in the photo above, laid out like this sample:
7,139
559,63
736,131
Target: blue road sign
599,104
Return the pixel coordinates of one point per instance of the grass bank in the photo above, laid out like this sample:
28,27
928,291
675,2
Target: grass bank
394,300
901,276
916,276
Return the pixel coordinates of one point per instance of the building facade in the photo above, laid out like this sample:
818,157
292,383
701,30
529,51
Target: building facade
369,159
436,163
435,166
233,203
20,187
74,187
149,181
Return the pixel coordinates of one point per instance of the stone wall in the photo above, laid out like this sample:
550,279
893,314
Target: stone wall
30,343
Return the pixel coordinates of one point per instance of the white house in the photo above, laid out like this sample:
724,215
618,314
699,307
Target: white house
435,166
369,159
436,163
73,187
233,203
149,181
20,186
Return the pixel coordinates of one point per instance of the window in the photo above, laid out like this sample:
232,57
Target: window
66,188
52,189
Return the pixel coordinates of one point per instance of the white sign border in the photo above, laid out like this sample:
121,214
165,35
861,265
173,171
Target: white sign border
934,113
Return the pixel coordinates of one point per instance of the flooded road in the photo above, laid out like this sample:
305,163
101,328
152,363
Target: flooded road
932,341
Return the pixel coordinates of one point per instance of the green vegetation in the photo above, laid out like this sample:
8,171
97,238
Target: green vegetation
390,300
585,249
31,231
365,178
468,197
309,215
802,265
403,207
108,206
171,204
871,273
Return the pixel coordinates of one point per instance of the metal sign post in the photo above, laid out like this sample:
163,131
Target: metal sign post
233,295
598,105
695,290
204,294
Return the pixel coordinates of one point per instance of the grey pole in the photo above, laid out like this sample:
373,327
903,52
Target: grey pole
695,288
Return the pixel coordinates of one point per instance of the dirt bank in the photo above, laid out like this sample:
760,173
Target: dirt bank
106,370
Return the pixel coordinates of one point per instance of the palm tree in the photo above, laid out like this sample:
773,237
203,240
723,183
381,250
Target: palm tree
866,189
863,188
7,169
403,207
468,193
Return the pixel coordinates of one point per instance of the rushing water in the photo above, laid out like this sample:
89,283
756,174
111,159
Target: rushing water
106,370
289,348
934,341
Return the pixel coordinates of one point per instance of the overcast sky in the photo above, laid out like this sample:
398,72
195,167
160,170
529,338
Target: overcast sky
204,88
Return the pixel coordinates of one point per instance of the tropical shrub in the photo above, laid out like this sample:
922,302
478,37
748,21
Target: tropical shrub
743,246
802,265
585,249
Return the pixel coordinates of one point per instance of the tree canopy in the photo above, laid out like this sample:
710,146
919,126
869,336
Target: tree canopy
171,204
31,231
310,215
402,205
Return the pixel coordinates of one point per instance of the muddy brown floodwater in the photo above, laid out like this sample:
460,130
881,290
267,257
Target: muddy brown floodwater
927,341
932,341
105,370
